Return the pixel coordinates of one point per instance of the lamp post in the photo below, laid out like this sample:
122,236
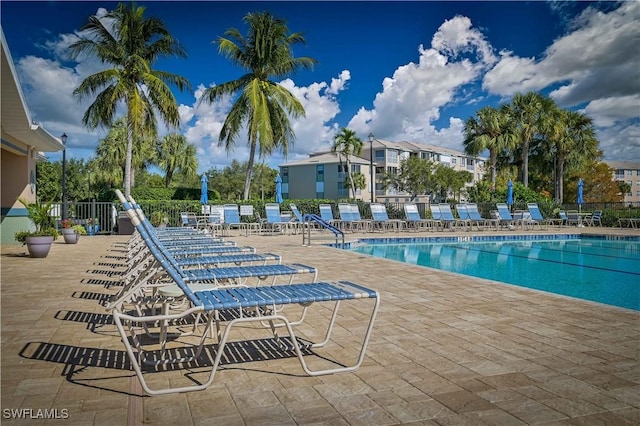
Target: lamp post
63,138
373,183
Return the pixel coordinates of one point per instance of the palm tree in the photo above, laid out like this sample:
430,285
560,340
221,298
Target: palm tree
130,43
529,112
173,154
573,140
112,151
264,105
489,130
346,144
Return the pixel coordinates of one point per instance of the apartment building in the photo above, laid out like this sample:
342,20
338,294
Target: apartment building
322,176
628,172
387,155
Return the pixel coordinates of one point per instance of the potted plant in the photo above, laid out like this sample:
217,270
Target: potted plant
68,232
39,241
71,232
92,226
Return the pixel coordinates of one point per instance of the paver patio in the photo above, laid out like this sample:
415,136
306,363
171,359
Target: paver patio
446,349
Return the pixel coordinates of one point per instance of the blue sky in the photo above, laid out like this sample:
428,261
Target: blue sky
411,71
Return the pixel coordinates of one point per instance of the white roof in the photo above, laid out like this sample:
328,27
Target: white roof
325,158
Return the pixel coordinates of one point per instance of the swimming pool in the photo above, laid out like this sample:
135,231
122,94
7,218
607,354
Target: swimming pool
605,270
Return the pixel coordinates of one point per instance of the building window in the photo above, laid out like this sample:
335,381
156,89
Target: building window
463,162
379,155
454,160
320,173
342,191
392,156
629,172
355,168
285,174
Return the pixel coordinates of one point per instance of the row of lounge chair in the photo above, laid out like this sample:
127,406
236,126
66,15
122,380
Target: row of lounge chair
183,288
222,219
467,217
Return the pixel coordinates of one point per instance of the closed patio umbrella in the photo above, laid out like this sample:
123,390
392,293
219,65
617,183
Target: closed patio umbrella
204,190
580,196
510,193
278,189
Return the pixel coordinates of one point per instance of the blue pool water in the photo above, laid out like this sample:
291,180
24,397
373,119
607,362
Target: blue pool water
600,270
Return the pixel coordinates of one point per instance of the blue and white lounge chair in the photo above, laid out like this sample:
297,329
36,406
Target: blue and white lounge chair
381,219
447,218
232,219
593,219
413,219
475,218
213,304
326,213
506,220
275,222
537,218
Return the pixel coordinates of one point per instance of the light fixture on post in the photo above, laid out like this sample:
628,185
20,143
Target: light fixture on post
373,183
63,138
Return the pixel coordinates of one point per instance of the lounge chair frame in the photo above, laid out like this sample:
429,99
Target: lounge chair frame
264,301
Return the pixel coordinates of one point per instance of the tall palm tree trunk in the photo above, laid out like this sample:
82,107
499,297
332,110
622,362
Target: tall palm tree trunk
560,178
128,156
525,163
353,186
493,159
247,181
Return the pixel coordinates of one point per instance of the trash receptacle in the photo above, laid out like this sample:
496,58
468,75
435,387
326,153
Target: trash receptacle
125,227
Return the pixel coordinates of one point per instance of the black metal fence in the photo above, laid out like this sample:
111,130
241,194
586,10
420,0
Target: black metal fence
95,213
109,217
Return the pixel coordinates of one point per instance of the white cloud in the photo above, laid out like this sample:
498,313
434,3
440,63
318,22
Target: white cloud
612,110
411,100
596,63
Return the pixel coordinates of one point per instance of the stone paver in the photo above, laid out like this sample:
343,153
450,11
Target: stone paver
446,349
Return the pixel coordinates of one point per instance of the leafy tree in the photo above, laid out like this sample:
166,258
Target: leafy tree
48,180
228,181
174,154
346,144
625,188
150,180
264,182
598,185
489,130
266,53
130,44
415,176
448,180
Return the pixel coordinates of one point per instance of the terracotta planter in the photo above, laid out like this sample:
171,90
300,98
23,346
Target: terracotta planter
70,235
39,246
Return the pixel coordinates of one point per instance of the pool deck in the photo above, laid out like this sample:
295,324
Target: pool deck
446,350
